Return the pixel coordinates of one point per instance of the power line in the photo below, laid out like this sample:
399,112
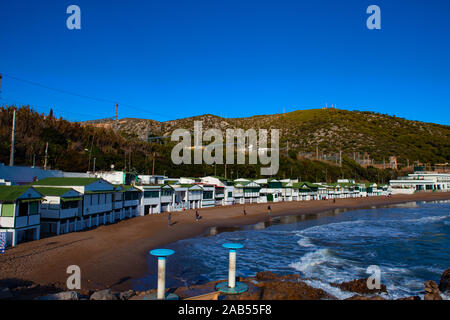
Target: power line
58,90
83,95
14,101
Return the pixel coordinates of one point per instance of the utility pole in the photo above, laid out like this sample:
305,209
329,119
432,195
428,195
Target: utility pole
13,133
225,170
317,152
116,124
46,156
93,169
153,169
340,158
129,160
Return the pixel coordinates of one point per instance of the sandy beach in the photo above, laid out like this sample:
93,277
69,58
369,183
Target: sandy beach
111,256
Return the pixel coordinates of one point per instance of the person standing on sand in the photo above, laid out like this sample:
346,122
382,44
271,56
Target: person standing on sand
270,211
197,217
245,212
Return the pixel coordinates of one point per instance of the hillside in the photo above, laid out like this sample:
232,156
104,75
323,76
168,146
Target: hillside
324,130
76,147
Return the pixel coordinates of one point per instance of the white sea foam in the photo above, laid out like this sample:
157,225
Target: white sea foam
305,242
338,293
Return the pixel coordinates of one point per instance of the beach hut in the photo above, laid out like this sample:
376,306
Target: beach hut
208,195
287,191
60,209
251,192
238,192
223,189
167,198
20,208
97,198
126,203
150,202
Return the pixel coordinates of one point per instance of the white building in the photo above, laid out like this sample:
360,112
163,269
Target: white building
208,195
224,190
126,201
150,200
421,181
97,198
60,210
20,208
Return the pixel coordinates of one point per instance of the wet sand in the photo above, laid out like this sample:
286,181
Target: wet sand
112,255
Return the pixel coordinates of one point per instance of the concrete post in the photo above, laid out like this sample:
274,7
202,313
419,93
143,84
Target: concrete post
232,269
232,287
161,277
161,290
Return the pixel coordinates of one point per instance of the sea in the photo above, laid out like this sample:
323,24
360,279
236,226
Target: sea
409,243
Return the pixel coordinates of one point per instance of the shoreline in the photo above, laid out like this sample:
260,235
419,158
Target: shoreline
112,256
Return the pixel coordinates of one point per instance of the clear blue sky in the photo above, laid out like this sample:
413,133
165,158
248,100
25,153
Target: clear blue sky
169,59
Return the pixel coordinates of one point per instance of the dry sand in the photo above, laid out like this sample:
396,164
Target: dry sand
112,255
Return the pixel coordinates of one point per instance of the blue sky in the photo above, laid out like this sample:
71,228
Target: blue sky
170,59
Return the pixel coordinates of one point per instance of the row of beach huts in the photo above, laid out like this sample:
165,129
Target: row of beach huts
58,205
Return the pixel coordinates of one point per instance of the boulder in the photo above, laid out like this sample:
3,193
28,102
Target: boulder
253,293
126,295
410,298
358,297
287,290
359,286
431,291
103,295
65,295
5,293
444,283
269,276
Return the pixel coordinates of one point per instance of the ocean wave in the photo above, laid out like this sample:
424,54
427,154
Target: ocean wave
324,264
338,293
428,219
305,242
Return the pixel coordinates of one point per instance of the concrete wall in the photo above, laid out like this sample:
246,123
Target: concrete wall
18,175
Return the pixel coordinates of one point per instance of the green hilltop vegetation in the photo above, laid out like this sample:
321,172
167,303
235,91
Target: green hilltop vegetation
72,146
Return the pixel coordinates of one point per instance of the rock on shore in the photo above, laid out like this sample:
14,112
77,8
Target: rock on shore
431,291
359,286
263,286
444,284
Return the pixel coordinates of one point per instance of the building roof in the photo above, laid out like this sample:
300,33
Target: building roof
65,181
50,191
12,193
305,183
124,188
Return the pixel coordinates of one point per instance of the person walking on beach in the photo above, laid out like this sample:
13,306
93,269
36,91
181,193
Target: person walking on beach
245,212
197,217
169,216
270,211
